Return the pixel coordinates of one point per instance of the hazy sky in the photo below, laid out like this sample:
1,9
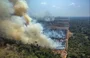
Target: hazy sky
59,7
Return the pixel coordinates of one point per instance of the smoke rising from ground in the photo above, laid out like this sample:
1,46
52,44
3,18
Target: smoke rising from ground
13,26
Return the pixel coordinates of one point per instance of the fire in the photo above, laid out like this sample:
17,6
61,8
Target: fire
13,28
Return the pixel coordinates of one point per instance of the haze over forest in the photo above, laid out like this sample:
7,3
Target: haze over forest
65,8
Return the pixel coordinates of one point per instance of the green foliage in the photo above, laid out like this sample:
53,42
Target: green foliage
19,50
37,51
79,43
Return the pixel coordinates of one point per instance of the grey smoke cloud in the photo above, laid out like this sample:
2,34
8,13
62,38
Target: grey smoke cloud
13,26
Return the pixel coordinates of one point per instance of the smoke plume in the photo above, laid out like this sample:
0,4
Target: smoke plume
13,26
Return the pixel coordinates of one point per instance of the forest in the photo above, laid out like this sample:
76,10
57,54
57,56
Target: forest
79,43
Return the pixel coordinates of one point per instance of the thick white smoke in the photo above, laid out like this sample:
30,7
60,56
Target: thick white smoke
13,27
55,33
5,9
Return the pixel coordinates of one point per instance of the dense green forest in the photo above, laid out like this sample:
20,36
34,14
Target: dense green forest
79,43
16,49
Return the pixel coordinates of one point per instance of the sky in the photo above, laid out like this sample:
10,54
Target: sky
67,8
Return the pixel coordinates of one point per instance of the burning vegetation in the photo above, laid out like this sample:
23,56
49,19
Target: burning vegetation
15,24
